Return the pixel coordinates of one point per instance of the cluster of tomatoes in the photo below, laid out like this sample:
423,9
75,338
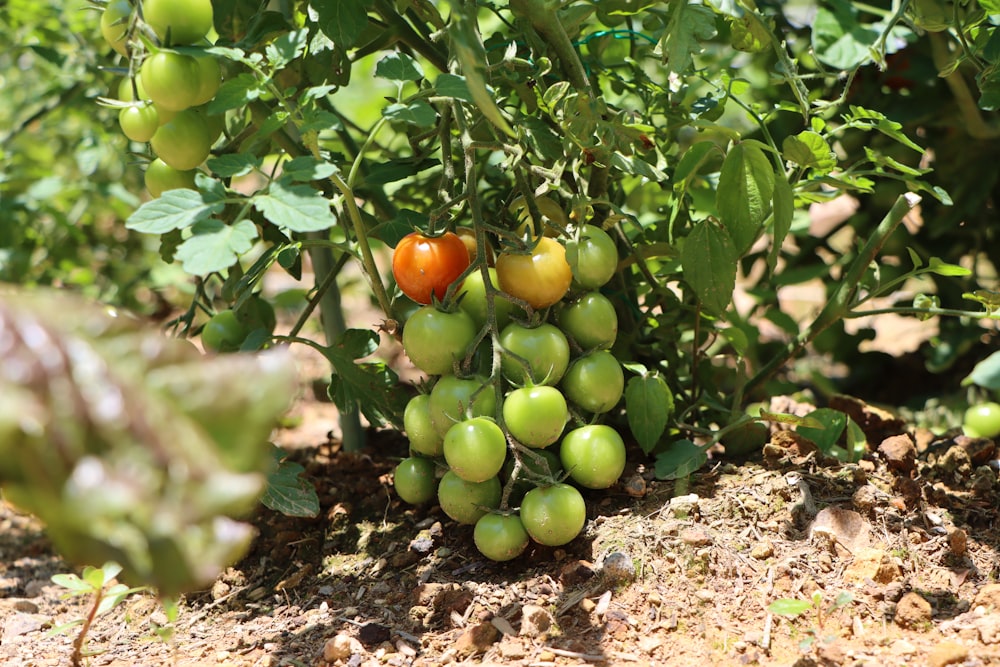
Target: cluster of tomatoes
162,102
531,425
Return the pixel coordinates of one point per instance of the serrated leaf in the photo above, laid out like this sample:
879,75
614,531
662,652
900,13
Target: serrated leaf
307,168
174,209
342,21
789,607
235,93
417,113
839,39
809,149
234,164
398,66
370,386
708,260
451,85
295,208
215,246
692,160
689,26
649,405
743,199
286,48
289,492
681,459
783,213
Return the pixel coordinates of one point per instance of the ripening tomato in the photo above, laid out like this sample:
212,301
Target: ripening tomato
595,381
414,480
468,236
161,177
114,25
172,80
475,449
420,431
541,277
535,416
427,265
500,537
465,501
184,142
544,348
592,256
594,455
139,122
553,515
179,22
591,321
434,339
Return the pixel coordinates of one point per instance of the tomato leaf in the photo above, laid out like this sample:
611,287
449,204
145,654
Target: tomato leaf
417,113
809,149
295,208
784,213
649,405
680,460
832,425
289,492
342,20
689,26
746,185
174,209
451,85
708,260
986,373
371,386
468,48
215,246
398,66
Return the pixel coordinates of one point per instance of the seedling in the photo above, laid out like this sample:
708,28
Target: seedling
795,607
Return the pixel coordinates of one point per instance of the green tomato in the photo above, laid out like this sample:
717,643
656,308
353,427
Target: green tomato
500,537
420,431
114,25
535,416
593,257
172,80
209,78
468,502
475,449
452,401
593,455
595,382
223,332
179,22
982,420
184,142
414,480
139,122
553,515
544,347
160,177
473,300
127,94
591,321
434,340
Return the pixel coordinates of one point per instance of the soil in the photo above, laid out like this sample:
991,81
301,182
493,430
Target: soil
897,558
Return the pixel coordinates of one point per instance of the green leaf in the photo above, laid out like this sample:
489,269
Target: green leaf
73,584
986,373
941,268
809,149
833,423
467,46
215,246
417,113
295,208
857,442
649,405
749,35
289,492
370,386
342,21
234,164
868,119
690,24
681,459
235,93
783,213
174,209
286,48
708,260
839,40
392,171
743,199
398,66
789,607
451,85
307,168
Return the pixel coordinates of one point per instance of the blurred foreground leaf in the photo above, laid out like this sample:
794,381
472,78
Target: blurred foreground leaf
132,446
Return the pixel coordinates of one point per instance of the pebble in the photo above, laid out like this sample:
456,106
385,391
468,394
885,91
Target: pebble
535,621
947,653
682,507
989,597
899,452
958,541
476,639
762,550
618,569
696,536
989,628
341,647
913,611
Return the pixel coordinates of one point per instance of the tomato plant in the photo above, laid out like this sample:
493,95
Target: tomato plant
435,340
475,449
594,455
183,142
544,348
160,177
590,321
553,515
982,420
535,416
541,277
178,22
424,438
592,257
414,480
427,265
171,80
223,332
453,399
500,537
467,502
595,381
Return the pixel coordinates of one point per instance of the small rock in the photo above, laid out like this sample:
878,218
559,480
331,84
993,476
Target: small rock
587,605
899,452
546,656
575,572
704,594
958,541
762,550
649,643
535,621
37,587
476,639
874,564
903,647
841,526
372,634
696,536
636,486
220,589
617,569
23,624
26,606
684,507
956,459
341,647
989,628
947,653
988,597
866,498
511,648
980,450
984,479
789,443
913,611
